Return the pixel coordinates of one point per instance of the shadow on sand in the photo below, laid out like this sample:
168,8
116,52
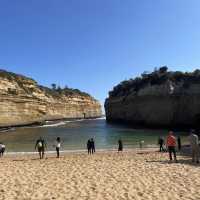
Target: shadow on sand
180,161
25,160
37,159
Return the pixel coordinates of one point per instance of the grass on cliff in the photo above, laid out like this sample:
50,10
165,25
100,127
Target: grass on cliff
65,91
15,77
22,81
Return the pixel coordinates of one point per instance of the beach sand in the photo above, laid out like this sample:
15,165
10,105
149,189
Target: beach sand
141,175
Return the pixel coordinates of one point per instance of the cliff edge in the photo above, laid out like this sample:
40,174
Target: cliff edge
23,101
157,99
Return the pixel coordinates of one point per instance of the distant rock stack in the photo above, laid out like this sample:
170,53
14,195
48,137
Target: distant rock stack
23,101
157,99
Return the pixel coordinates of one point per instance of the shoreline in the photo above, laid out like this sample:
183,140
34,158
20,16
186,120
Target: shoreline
185,152
80,151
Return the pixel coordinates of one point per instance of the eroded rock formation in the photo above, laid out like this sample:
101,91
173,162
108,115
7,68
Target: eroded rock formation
23,101
158,99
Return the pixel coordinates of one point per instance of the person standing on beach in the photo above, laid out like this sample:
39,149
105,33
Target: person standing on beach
58,144
171,144
120,145
89,147
2,149
161,143
194,142
92,145
141,143
179,143
41,146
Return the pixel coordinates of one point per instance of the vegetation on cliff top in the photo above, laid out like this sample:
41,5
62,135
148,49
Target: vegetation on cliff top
157,77
58,91
55,91
15,77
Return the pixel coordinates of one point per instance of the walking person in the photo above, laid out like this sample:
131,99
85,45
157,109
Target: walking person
161,143
120,145
58,144
89,147
171,144
179,143
194,143
41,146
92,145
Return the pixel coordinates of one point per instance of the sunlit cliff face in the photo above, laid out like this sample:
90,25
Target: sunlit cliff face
23,101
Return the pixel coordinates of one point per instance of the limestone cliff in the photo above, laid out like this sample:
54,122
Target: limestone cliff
23,101
161,98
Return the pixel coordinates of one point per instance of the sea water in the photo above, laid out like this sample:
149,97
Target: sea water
74,135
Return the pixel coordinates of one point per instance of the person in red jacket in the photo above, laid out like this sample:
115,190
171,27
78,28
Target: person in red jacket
171,144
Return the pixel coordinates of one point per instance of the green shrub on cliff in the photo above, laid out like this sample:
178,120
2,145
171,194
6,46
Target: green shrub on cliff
58,92
16,77
23,81
157,77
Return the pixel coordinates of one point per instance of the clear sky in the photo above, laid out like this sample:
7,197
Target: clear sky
93,45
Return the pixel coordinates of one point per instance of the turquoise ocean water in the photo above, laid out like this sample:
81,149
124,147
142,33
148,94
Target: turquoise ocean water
74,135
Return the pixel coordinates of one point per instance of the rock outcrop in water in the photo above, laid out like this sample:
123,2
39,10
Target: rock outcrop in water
158,99
23,101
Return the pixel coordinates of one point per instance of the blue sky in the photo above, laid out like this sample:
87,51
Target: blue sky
95,44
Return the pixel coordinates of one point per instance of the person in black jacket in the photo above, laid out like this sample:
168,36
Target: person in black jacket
92,145
89,147
161,143
120,145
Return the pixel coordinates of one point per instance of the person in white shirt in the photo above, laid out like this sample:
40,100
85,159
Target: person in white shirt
58,144
194,143
2,148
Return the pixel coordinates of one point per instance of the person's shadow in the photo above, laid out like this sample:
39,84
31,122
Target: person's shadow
186,159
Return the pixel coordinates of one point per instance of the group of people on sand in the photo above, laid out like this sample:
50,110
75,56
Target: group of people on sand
41,145
172,142
91,146
162,146
170,146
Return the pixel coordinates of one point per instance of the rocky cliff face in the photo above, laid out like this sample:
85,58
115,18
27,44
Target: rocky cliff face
167,101
23,101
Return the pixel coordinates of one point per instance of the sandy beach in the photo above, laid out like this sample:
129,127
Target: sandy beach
141,175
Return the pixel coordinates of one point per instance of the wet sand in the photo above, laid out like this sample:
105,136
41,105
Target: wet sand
140,175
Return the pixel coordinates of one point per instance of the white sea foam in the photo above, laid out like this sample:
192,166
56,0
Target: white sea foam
65,122
62,123
52,125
